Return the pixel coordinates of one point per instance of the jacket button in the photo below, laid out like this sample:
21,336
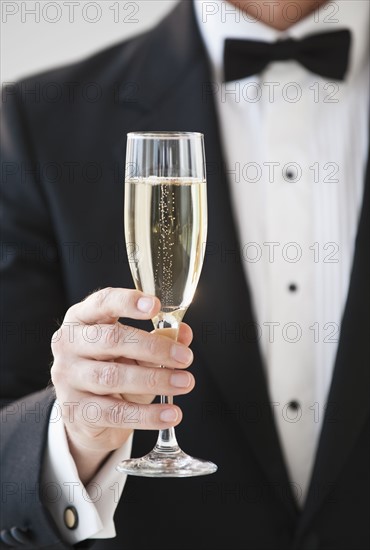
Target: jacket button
20,535
6,538
71,517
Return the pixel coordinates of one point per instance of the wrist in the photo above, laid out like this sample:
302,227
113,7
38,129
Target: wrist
88,459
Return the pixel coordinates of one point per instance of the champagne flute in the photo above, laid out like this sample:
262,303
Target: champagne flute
165,233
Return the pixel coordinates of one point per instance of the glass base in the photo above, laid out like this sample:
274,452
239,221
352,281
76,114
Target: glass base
160,463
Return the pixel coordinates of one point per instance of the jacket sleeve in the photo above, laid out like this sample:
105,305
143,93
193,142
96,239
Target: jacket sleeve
32,304
32,294
24,424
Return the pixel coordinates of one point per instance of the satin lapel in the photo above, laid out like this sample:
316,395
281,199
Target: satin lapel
348,402
221,315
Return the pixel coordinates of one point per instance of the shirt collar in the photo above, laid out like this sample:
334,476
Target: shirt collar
220,20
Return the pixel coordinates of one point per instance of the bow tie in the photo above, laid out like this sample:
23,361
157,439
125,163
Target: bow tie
325,54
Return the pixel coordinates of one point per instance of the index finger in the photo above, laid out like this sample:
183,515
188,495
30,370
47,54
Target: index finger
107,305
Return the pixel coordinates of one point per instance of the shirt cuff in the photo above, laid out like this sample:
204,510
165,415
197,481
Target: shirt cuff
94,506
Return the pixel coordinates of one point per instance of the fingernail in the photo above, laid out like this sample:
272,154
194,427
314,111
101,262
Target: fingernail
180,380
181,354
168,415
145,304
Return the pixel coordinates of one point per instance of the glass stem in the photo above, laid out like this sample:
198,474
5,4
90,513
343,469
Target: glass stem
168,325
166,442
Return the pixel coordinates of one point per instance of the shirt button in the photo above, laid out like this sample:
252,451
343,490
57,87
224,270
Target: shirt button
291,174
71,517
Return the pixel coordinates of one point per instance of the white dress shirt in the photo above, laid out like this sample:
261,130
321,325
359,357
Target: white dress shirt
92,507
295,147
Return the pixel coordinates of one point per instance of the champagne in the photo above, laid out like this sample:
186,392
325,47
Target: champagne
165,232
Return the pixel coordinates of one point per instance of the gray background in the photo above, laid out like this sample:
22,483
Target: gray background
63,31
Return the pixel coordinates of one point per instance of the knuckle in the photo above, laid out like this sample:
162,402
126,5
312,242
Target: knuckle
125,300
116,413
125,413
62,372
152,379
65,336
108,375
73,311
56,343
56,336
58,340
102,296
55,374
110,335
154,344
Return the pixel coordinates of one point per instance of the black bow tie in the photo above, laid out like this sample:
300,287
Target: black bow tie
325,54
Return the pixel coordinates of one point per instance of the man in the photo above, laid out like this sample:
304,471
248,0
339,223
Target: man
284,414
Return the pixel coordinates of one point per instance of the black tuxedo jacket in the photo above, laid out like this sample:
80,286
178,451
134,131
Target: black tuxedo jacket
62,196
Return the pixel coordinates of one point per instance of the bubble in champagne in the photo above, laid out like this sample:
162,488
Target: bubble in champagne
164,266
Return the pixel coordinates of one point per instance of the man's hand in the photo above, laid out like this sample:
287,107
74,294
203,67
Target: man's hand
106,374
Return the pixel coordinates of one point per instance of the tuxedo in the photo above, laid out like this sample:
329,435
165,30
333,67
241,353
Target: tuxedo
63,161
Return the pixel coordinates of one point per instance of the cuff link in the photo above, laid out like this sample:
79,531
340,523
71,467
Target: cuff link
70,517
